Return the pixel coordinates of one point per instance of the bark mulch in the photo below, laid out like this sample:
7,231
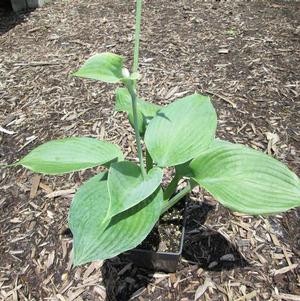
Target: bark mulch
244,54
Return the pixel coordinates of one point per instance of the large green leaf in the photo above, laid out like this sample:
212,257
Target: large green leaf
70,154
127,187
96,238
146,110
88,216
246,180
106,67
181,131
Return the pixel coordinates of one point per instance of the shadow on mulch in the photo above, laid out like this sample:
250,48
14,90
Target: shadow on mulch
206,248
124,281
8,18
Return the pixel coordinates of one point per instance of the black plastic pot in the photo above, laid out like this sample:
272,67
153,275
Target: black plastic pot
158,261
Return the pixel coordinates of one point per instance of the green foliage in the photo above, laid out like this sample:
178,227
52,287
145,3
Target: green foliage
88,215
181,130
127,187
145,110
70,154
246,180
114,211
106,67
98,237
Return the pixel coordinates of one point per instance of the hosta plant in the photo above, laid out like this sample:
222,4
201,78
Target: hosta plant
115,210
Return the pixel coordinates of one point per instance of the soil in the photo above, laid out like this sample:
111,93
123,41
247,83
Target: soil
244,54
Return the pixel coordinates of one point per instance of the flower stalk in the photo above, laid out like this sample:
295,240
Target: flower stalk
131,90
131,84
138,19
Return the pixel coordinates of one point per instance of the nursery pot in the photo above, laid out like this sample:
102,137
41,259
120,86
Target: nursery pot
158,260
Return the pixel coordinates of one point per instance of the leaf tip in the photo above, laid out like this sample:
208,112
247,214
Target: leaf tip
78,259
75,74
76,263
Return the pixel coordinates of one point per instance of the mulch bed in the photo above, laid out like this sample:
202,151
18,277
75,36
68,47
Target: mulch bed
244,54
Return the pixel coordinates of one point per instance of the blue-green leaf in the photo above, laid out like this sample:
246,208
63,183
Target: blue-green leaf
181,131
106,67
70,154
246,180
127,187
96,237
88,216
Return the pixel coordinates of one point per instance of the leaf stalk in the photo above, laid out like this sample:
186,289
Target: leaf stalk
149,161
171,188
177,198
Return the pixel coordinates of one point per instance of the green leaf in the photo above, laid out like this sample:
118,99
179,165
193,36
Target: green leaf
70,154
184,169
246,180
181,131
146,110
106,67
127,187
88,213
96,238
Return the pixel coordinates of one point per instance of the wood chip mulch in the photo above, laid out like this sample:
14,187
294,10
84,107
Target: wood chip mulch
244,54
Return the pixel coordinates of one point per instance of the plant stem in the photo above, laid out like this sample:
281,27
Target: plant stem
171,187
131,90
177,198
138,18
